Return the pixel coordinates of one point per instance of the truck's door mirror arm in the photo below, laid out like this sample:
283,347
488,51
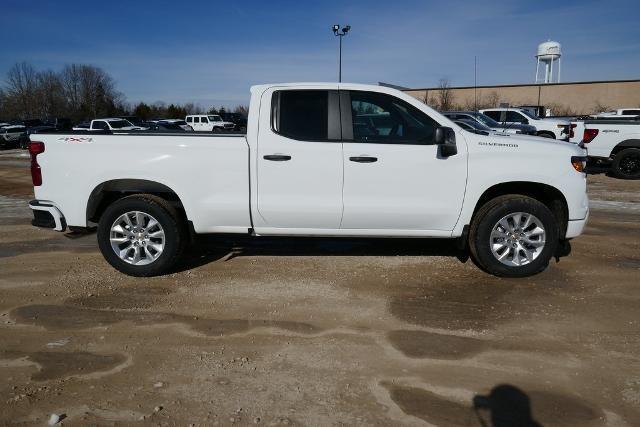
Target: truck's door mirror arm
445,139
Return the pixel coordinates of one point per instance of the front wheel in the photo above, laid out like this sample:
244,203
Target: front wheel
141,235
626,164
513,236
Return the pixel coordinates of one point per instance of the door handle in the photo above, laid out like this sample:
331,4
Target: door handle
277,157
363,159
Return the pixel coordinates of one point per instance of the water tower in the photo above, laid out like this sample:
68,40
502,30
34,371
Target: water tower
548,53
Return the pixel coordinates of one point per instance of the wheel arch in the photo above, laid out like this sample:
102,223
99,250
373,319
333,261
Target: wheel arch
546,132
548,195
627,143
109,191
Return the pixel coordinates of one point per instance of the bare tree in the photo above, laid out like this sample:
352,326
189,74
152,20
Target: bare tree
51,102
599,107
22,90
242,109
445,96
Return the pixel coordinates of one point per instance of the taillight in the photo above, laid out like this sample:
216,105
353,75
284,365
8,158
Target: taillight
579,163
572,126
589,134
35,148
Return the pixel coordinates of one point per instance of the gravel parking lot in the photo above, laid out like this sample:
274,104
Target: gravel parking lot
319,331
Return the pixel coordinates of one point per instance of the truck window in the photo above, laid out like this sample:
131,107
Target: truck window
204,120
196,120
495,115
189,119
385,119
301,114
100,125
630,112
514,116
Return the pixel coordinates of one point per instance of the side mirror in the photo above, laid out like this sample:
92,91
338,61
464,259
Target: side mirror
445,139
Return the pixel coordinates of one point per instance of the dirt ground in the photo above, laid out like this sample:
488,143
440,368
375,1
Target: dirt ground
319,331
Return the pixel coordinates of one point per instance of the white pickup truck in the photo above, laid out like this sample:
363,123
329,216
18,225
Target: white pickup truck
545,127
613,145
112,124
318,159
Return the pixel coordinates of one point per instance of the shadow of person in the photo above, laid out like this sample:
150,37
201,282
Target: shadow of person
508,406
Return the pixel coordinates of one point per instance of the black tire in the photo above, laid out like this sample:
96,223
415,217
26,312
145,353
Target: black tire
488,216
175,234
626,164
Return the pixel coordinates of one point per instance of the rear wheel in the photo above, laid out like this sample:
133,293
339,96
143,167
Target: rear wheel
141,235
513,236
626,164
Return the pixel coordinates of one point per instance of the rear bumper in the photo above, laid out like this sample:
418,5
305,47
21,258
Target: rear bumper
575,227
47,215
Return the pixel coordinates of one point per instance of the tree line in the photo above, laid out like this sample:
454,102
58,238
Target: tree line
78,92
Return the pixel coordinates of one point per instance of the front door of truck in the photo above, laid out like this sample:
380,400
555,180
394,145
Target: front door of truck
299,163
394,176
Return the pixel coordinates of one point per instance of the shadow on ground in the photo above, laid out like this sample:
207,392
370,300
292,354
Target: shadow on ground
207,249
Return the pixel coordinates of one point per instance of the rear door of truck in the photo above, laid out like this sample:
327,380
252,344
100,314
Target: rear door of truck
299,161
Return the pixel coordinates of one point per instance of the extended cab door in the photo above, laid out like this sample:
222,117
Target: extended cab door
395,179
299,162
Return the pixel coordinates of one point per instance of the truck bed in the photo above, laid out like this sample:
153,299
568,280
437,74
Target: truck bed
210,172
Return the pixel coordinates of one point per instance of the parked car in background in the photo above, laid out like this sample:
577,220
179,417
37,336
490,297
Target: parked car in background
548,128
180,122
208,123
13,136
162,126
35,126
134,120
613,145
60,123
619,113
473,126
485,120
82,126
316,162
113,124
238,119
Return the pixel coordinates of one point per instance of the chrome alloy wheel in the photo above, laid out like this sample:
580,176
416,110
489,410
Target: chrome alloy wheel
137,238
517,239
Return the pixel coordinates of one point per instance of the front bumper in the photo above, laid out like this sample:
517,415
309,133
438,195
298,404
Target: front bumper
576,226
47,215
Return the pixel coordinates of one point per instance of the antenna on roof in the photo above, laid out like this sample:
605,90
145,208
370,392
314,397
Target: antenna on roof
475,82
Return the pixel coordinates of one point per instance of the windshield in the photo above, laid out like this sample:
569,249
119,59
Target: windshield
215,118
486,120
119,124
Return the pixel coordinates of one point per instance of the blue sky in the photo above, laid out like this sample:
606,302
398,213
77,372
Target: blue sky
210,52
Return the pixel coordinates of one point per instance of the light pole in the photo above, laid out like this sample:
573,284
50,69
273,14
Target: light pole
339,33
